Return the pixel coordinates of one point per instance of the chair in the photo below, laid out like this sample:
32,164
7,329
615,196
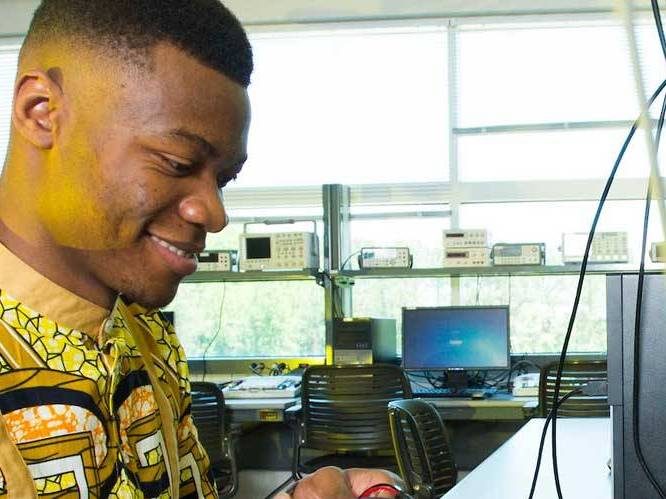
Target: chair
574,375
208,415
344,414
422,448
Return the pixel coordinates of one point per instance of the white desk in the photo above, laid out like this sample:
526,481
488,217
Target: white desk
583,449
500,407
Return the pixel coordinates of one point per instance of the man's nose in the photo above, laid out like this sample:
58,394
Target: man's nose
205,209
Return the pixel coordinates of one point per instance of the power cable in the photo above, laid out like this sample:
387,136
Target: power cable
660,29
543,438
581,277
342,267
637,328
217,332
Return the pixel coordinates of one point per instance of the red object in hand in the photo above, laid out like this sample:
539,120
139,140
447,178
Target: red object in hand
381,487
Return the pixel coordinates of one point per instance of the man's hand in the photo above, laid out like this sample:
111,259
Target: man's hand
334,483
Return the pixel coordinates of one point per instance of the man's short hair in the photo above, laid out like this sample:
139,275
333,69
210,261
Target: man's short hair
204,29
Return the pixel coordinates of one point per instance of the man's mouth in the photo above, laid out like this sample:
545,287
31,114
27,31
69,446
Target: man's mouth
180,260
171,247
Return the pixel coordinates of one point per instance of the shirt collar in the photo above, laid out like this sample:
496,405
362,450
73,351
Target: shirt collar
26,285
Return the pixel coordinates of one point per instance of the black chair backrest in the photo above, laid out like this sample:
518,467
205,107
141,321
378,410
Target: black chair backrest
574,375
421,447
344,407
208,416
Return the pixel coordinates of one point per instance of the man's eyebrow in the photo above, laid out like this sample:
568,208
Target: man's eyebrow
196,139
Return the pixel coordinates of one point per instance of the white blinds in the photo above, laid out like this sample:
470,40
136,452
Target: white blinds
9,50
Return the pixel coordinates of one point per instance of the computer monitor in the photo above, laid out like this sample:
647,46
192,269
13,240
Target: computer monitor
451,338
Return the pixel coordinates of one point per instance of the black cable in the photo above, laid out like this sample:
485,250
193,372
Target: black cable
581,278
660,29
543,439
217,333
342,267
639,294
637,325
507,373
433,380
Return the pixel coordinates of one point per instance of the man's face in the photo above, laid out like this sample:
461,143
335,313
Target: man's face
135,175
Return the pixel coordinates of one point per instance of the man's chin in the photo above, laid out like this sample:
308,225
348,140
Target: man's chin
153,298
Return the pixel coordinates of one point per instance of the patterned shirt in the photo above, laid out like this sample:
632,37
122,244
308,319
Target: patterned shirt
76,397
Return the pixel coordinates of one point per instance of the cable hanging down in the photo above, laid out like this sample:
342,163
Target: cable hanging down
581,277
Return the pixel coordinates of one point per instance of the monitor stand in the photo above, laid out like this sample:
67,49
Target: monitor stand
456,379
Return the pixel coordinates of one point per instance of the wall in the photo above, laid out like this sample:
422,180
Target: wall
15,14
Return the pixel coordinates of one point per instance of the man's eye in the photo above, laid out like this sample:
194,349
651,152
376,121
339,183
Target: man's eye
223,180
178,167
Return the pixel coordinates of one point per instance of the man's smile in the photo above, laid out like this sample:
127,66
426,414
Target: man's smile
179,257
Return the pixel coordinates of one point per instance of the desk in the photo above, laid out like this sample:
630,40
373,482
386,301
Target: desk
258,410
583,449
258,445
499,407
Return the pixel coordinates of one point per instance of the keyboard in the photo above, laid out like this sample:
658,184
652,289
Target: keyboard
264,387
423,391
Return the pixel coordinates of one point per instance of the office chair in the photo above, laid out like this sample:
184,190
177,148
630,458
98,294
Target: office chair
208,415
344,415
422,449
575,374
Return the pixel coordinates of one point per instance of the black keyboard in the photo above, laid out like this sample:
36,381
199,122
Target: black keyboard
423,391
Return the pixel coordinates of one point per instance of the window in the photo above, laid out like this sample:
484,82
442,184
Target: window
385,298
550,72
549,155
250,319
393,226
348,106
9,49
540,307
540,111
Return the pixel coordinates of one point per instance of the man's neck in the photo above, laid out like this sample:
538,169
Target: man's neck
58,265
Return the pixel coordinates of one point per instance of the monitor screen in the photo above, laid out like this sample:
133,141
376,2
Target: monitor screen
258,247
455,338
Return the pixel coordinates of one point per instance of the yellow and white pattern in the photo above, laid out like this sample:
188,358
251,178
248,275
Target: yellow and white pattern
77,401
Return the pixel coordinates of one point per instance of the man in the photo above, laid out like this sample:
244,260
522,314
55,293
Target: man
129,118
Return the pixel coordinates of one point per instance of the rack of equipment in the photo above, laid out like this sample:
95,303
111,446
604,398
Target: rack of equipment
218,260
466,248
385,258
519,254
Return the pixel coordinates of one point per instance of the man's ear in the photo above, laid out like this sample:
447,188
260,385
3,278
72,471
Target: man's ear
38,101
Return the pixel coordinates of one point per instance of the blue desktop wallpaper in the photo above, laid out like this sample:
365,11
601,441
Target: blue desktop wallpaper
445,338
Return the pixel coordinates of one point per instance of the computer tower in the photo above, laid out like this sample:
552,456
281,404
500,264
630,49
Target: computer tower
363,340
629,480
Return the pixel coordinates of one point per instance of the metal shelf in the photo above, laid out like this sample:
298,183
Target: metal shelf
254,276
504,270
